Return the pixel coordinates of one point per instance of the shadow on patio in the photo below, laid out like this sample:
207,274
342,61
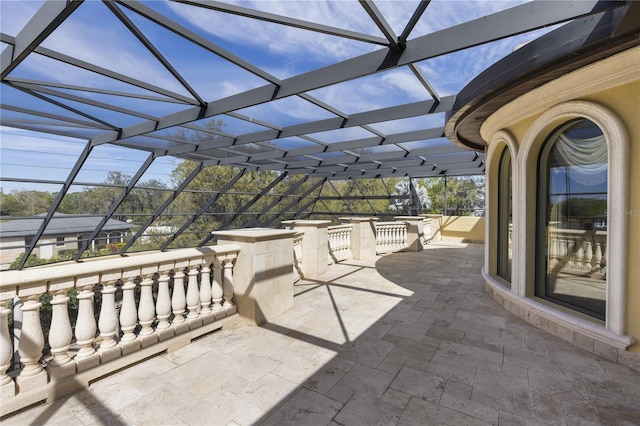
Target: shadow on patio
408,338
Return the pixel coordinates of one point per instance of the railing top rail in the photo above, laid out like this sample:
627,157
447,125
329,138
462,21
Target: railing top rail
386,224
339,227
99,267
577,231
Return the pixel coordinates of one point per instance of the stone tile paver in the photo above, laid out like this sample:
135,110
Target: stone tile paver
406,339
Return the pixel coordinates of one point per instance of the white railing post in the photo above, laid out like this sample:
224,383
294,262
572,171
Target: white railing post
205,288
146,308
178,298
163,304
227,286
193,296
60,335
128,311
108,322
31,344
86,325
217,291
7,386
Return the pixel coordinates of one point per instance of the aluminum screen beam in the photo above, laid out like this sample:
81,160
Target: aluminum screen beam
50,15
116,203
382,24
196,170
283,20
203,209
517,20
56,203
154,51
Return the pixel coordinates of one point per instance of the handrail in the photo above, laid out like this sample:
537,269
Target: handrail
339,243
391,236
145,304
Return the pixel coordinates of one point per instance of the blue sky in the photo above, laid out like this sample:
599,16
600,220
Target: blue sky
95,35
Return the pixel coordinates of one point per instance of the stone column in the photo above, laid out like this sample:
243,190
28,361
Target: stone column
263,272
436,226
415,231
315,249
363,236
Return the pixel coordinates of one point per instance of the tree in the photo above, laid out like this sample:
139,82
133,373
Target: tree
403,187
10,206
464,194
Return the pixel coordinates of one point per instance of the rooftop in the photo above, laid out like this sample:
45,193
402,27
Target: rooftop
408,339
61,224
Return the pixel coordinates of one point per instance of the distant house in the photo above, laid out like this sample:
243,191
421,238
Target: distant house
64,232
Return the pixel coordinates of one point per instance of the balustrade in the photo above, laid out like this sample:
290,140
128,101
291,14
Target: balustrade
64,348
390,236
339,242
578,251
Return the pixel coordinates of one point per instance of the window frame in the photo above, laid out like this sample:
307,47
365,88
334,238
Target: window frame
616,257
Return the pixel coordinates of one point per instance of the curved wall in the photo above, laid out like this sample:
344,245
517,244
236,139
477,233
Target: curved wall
608,93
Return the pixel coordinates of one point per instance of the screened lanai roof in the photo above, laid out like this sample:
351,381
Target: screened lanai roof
326,90
335,89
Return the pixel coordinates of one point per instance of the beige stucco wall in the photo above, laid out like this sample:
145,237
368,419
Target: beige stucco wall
607,85
463,228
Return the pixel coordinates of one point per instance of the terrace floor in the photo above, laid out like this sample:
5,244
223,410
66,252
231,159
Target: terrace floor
407,338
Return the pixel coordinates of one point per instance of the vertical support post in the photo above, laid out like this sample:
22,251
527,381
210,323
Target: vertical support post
163,303
205,288
314,245
60,335
217,291
263,273
363,236
436,227
87,356
108,321
31,345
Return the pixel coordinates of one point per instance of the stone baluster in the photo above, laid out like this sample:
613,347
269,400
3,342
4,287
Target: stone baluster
86,324
128,312
571,248
60,335
163,304
217,291
228,282
193,296
146,309
178,298
108,319
579,257
597,255
7,386
588,252
205,287
31,344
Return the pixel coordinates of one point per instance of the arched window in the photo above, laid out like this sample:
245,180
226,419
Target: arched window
572,205
505,216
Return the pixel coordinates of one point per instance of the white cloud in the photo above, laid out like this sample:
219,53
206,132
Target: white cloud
298,47
15,14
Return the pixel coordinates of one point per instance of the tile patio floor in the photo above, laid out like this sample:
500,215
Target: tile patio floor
407,339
